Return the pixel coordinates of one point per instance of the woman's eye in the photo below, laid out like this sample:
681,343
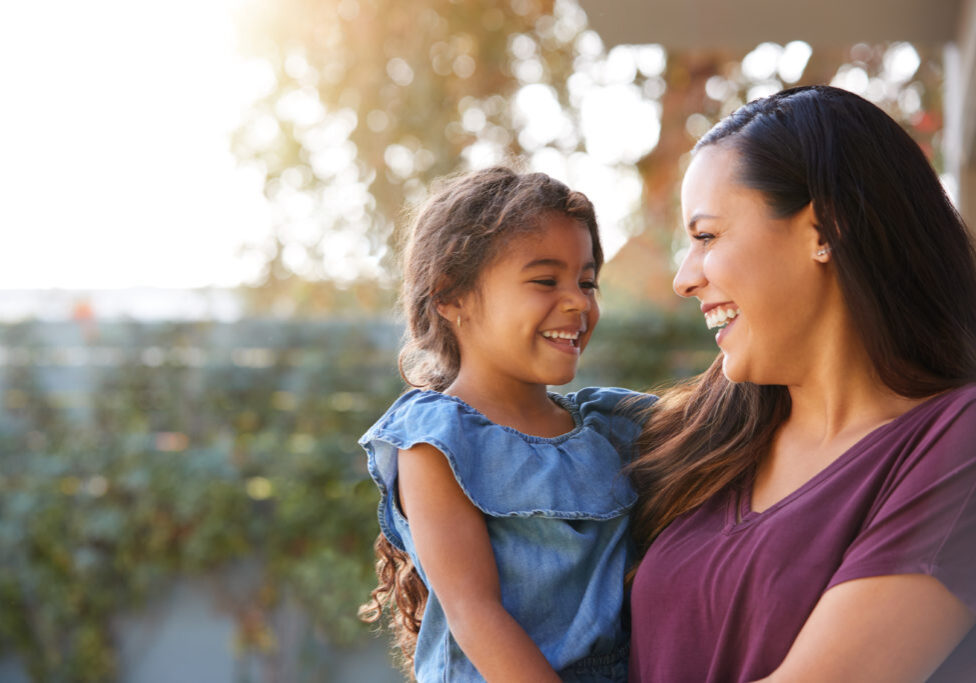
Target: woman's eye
703,237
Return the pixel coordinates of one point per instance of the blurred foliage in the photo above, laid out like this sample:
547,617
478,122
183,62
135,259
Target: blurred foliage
704,86
368,100
158,451
148,452
369,104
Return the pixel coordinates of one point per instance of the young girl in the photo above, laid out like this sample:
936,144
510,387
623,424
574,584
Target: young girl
502,506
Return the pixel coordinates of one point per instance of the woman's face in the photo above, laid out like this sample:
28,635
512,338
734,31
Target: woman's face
760,280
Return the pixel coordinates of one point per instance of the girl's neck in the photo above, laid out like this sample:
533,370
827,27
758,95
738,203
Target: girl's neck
526,408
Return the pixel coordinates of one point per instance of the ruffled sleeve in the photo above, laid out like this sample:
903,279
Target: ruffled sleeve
616,413
506,473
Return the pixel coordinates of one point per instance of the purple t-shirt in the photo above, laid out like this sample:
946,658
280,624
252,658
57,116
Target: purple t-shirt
716,599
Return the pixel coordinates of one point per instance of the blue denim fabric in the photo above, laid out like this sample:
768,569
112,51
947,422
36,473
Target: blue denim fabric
556,511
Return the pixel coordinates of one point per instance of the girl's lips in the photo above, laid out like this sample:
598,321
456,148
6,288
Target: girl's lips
570,346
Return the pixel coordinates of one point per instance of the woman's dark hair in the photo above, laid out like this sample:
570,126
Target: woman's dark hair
459,231
904,262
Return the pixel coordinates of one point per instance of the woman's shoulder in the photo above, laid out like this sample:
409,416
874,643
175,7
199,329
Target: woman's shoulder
951,411
961,399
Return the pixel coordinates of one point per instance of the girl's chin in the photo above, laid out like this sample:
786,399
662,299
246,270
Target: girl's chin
559,378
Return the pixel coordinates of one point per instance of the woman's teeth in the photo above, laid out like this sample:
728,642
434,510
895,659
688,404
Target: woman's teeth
720,317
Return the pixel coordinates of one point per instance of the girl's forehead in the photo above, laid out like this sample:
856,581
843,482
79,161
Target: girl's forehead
558,236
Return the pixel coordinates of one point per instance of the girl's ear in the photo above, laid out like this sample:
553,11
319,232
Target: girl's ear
449,310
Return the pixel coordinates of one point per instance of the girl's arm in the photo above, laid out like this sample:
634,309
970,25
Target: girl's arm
885,628
452,543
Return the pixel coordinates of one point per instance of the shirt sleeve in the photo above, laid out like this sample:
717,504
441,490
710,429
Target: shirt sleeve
924,520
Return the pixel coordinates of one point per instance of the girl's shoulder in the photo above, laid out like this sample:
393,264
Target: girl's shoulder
508,473
610,405
418,412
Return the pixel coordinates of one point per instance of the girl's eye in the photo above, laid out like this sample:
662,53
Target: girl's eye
589,284
547,282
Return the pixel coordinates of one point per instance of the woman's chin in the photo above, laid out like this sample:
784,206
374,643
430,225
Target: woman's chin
733,371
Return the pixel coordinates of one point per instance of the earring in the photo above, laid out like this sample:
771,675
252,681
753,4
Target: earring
459,321
823,251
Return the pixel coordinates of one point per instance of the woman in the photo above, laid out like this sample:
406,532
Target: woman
807,504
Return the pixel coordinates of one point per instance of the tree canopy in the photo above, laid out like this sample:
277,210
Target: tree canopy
369,100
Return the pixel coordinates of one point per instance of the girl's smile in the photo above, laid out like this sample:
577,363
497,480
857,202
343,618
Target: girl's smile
534,309
565,340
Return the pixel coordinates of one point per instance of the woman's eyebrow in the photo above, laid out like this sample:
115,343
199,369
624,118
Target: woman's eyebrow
697,217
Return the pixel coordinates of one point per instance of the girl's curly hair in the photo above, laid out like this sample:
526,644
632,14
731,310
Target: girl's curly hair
457,232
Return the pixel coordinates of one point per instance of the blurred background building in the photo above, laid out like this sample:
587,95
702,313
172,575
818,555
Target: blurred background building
948,26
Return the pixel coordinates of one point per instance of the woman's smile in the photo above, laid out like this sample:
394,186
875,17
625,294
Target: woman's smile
745,259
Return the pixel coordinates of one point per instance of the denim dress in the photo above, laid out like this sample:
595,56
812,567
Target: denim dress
556,510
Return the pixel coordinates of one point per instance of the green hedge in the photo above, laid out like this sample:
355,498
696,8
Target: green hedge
131,454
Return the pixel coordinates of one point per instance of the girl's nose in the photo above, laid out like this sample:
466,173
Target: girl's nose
690,278
576,300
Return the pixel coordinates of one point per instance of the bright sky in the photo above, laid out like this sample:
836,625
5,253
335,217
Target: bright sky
115,161
116,164
115,168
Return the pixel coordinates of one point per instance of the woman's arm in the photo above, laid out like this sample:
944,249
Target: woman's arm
885,628
452,543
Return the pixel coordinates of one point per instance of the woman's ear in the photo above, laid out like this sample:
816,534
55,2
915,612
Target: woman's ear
822,254
816,243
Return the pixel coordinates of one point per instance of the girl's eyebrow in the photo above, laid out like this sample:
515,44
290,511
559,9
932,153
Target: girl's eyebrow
554,263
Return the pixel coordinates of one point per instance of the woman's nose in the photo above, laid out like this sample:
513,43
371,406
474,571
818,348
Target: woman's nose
690,277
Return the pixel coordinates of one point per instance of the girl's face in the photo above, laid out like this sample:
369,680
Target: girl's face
534,309
760,279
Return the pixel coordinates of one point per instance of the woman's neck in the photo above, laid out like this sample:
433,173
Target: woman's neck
842,395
